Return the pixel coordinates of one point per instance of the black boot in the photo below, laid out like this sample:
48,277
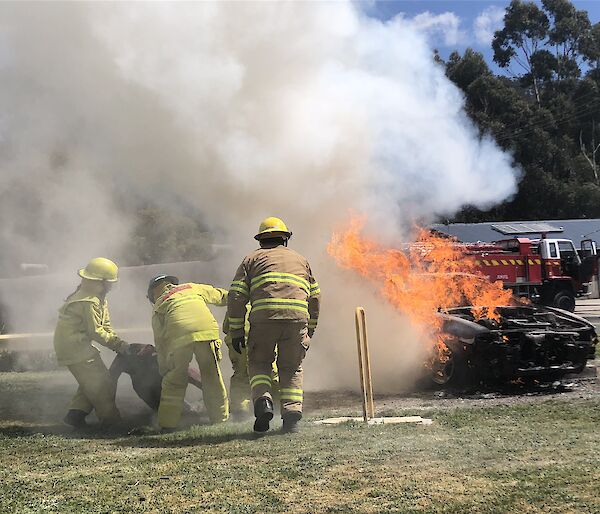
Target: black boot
75,418
290,423
263,411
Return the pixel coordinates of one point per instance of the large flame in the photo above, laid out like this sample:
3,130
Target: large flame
433,273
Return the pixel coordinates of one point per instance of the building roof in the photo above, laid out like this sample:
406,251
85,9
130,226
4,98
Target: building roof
576,230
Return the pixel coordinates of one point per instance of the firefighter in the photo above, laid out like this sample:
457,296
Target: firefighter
239,383
83,320
285,300
183,327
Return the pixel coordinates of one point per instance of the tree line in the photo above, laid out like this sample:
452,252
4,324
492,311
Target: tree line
544,108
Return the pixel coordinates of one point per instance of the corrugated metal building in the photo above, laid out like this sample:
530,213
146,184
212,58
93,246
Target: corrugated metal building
575,230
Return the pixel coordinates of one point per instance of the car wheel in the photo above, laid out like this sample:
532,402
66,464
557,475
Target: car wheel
447,366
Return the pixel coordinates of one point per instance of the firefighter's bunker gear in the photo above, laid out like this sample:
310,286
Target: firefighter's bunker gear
183,327
82,320
239,384
285,302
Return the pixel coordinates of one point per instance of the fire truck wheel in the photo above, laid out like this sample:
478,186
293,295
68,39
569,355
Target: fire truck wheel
564,300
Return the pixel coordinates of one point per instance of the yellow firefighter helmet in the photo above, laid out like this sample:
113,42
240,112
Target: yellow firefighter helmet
100,269
272,227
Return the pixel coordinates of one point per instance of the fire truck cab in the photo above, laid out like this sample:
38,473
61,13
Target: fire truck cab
562,261
549,271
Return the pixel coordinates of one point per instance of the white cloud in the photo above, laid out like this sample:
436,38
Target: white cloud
446,25
488,21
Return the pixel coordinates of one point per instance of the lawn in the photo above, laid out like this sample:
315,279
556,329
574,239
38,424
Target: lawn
538,457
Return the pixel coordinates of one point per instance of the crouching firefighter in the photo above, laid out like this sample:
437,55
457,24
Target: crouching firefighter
83,320
183,327
285,300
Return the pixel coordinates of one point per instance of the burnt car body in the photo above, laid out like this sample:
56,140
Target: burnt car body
527,342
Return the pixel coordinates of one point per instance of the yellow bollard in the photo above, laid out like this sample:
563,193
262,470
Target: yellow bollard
366,384
364,365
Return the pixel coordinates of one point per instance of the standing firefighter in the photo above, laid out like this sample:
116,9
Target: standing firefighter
183,327
239,384
83,320
285,299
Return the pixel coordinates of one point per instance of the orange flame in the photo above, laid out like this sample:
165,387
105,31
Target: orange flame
433,273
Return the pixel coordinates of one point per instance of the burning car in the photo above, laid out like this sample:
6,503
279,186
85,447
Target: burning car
478,330
521,342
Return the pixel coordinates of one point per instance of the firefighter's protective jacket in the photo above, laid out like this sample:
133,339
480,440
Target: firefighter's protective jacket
226,328
181,315
279,284
83,319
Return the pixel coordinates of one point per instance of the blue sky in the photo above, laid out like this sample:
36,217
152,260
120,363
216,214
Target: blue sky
458,24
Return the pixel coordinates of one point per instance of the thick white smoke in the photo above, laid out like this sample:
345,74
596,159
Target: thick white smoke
241,110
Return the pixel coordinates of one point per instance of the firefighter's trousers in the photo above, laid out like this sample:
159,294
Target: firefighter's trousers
175,382
96,390
239,385
291,341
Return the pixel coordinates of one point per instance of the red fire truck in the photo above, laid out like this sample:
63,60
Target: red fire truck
551,272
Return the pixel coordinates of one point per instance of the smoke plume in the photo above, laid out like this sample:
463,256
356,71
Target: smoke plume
233,112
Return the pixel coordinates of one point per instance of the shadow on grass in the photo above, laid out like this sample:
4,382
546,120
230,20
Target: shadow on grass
31,428
22,430
515,389
92,432
197,436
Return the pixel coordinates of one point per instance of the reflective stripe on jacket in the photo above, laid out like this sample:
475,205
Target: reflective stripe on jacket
181,314
279,284
83,319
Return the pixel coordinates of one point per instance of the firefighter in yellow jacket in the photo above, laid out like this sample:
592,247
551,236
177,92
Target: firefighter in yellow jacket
183,327
285,301
83,320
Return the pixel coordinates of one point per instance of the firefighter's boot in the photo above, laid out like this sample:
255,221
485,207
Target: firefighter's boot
75,418
290,423
263,411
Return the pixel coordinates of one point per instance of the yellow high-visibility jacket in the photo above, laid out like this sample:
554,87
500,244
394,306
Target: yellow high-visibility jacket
279,284
83,319
181,315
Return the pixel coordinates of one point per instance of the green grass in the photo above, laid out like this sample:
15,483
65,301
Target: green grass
539,457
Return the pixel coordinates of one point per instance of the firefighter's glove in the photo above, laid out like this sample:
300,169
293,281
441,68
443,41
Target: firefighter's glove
238,343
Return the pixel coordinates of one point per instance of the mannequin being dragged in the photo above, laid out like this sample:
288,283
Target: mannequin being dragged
141,364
